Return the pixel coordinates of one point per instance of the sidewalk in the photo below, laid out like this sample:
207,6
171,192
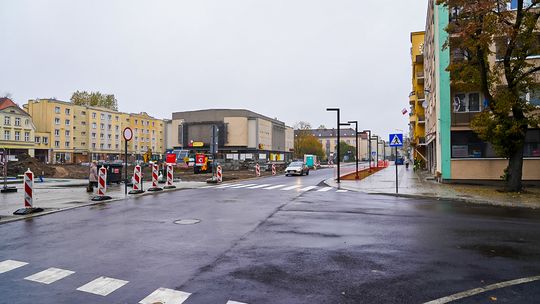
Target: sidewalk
56,195
412,184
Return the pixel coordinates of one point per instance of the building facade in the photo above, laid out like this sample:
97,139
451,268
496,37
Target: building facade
68,133
16,129
454,152
242,135
417,99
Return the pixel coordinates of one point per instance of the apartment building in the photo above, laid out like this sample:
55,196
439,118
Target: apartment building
16,129
243,134
68,133
454,152
417,99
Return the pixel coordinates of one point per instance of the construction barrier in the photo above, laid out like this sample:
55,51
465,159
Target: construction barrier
170,177
219,174
155,172
102,185
257,170
137,181
274,172
28,195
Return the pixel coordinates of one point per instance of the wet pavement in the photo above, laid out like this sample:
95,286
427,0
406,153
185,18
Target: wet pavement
275,240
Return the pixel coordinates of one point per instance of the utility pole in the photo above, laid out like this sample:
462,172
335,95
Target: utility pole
338,141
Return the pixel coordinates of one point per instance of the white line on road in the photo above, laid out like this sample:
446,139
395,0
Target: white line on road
50,275
274,187
308,188
226,186
166,296
9,265
102,286
342,191
325,189
259,186
243,186
476,291
291,187
234,302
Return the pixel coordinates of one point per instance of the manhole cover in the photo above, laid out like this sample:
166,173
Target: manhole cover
187,221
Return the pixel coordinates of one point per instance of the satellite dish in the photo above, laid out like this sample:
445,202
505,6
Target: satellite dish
457,103
424,104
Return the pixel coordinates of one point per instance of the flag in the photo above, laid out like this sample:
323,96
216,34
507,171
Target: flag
404,111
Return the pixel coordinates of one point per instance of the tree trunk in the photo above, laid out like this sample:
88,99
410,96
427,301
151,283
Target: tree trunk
515,171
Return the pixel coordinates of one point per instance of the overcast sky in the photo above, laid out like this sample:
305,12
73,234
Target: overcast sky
289,59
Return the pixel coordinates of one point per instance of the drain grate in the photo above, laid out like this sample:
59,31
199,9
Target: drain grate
187,221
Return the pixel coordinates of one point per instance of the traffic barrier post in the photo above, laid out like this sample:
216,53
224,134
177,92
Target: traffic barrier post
219,174
170,177
257,170
155,186
274,172
137,181
28,195
102,186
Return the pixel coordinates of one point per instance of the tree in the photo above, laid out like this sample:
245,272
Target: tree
475,29
322,127
346,149
95,99
305,142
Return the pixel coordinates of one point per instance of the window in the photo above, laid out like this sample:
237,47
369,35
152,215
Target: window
17,135
116,137
136,121
109,136
94,125
109,117
102,126
83,123
45,140
37,139
17,121
109,146
116,117
57,144
93,135
153,124
57,110
67,144
93,145
26,136
67,133
26,122
56,132
102,116
117,128
68,122
466,144
101,146
467,102
83,112
109,127
94,115
7,135
116,146
68,111
101,135
57,121
7,120
533,97
532,143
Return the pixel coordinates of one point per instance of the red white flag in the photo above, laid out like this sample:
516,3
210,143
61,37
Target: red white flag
404,111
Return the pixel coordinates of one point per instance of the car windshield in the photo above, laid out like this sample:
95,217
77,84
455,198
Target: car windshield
296,164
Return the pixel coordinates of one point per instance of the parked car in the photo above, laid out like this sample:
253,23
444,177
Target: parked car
400,161
297,167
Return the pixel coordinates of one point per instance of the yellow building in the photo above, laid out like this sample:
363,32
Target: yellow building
78,134
16,129
417,99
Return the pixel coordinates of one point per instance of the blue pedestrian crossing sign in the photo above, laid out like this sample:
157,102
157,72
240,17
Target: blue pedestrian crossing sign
396,140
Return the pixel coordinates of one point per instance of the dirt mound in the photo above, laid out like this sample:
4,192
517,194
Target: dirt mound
26,162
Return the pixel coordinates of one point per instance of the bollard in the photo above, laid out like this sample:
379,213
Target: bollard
102,186
137,181
257,170
219,174
274,169
28,195
155,187
170,177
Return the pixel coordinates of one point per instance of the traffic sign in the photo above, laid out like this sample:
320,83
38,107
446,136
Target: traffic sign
396,140
373,153
128,134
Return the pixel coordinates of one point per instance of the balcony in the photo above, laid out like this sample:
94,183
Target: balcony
420,77
463,119
421,119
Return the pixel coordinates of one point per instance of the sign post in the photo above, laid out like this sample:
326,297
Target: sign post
396,140
128,135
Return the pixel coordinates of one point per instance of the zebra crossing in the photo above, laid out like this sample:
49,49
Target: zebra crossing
277,187
101,286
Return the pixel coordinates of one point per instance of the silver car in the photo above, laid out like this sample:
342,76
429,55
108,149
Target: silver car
297,167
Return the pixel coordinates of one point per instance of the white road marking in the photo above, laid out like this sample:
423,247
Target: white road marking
102,286
325,189
274,187
291,187
243,186
50,275
226,186
234,302
342,191
259,186
9,265
308,188
476,291
166,296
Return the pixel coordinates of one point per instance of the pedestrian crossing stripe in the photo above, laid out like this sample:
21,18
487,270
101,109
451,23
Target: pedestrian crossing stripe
50,275
164,295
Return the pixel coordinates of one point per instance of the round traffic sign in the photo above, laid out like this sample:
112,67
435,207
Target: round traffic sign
128,134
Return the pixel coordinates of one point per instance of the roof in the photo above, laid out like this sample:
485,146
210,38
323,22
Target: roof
218,114
6,103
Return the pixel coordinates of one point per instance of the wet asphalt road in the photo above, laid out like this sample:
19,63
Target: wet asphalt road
274,246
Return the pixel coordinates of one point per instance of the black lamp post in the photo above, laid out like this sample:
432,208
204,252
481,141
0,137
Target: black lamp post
355,122
369,143
338,140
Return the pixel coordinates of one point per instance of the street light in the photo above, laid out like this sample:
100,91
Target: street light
355,122
369,142
377,141
338,139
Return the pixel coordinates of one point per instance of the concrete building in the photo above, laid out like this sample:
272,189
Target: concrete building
454,152
243,134
68,133
417,100
16,129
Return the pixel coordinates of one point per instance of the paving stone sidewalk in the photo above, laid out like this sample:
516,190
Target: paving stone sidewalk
413,184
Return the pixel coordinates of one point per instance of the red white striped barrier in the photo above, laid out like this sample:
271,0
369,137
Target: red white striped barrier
155,172
274,172
137,181
170,177
102,185
28,189
258,170
219,174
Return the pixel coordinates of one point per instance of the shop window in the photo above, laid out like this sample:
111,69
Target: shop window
532,143
466,144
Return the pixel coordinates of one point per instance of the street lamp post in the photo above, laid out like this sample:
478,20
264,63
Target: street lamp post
355,122
338,140
369,144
